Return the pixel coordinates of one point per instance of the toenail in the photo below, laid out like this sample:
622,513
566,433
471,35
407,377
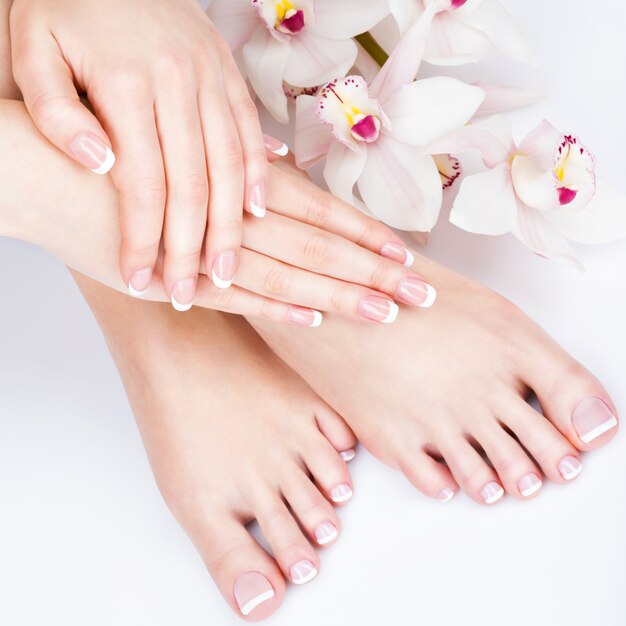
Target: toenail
302,572
491,492
529,484
252,589
347,455
592,418
570,467
340,493
445,495
325,533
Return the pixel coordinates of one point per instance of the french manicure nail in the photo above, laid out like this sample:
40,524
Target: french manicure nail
445,495
301,316
416,292
325,533
348,455
592,418
302,572
491,492
398,253
223,270
378,309
92,152
570,467
529,485
257,200
275,146
183,294
139,282
340,493
250,590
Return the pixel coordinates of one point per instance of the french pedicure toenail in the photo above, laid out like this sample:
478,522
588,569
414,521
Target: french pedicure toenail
275,146
93,153
445,495
257,200
529,485
592,418
570,467
139,282
252,589
223,270
398,253
340,493
491,492
416,292
325,533
302,572
347,455
378,309
183,293
299,316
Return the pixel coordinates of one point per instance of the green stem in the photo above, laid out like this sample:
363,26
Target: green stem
373,48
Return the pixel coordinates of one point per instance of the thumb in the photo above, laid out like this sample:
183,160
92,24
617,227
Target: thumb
47,85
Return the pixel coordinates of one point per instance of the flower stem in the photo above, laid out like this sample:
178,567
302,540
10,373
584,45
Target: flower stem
373,48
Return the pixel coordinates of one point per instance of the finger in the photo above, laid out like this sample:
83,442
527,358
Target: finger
47,85
180,134
300,199
319,251
275,149
279,281
226,183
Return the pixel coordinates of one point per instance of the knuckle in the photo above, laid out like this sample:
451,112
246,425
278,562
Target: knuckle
276,281
223,299
372,232
174,64
231,156
318,210
47,108
192,190
147,194
127,79
337,299
247,108
379,278
318,251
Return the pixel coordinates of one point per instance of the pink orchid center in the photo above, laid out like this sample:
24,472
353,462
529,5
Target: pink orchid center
366,128
572,169
457,4
292,22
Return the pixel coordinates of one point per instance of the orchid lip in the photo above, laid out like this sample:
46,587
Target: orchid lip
292,23
366,129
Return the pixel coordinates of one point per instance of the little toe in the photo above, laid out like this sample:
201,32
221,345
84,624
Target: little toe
470,471
338,433
248,577
427,475
329,470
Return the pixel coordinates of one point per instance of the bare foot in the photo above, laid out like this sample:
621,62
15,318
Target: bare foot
233,435
450,384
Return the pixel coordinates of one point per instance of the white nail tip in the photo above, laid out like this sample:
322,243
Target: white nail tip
107,164
532,490
347,455
446,495
282,151
599,430
256,210
249,606
181,307
495,497
431,296
569,473
342,497
410,259
220,283
134,293
317,319
322,541
305,579
392,316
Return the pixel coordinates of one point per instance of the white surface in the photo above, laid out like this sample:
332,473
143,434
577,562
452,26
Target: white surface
85,538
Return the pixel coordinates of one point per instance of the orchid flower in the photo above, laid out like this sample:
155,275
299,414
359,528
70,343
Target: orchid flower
304,43
373,135
544,191
462,31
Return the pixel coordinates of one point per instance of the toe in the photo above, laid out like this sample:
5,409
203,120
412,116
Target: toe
556,456
427,475
314,512
470,471
338,433
247,576
297,559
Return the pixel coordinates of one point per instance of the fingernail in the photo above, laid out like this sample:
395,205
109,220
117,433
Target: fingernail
445,495
340,493
416,292
299,316
491,492
250,590
302,572
224,268
529,484
325,533
92,152
378,309
275,146
257,200
347,455
592,418
570,467
183,294
398,253
139,282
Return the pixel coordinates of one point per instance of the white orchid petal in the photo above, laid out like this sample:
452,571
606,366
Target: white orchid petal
347,18
265,60
365,65
315,60
542,143
235,19
428,109
486,203
401,187
405,12
501,98
313,139
534,185
601,221
343,168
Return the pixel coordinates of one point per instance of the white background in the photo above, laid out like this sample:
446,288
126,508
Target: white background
85,538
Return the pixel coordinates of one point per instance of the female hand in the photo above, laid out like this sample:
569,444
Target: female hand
171,111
